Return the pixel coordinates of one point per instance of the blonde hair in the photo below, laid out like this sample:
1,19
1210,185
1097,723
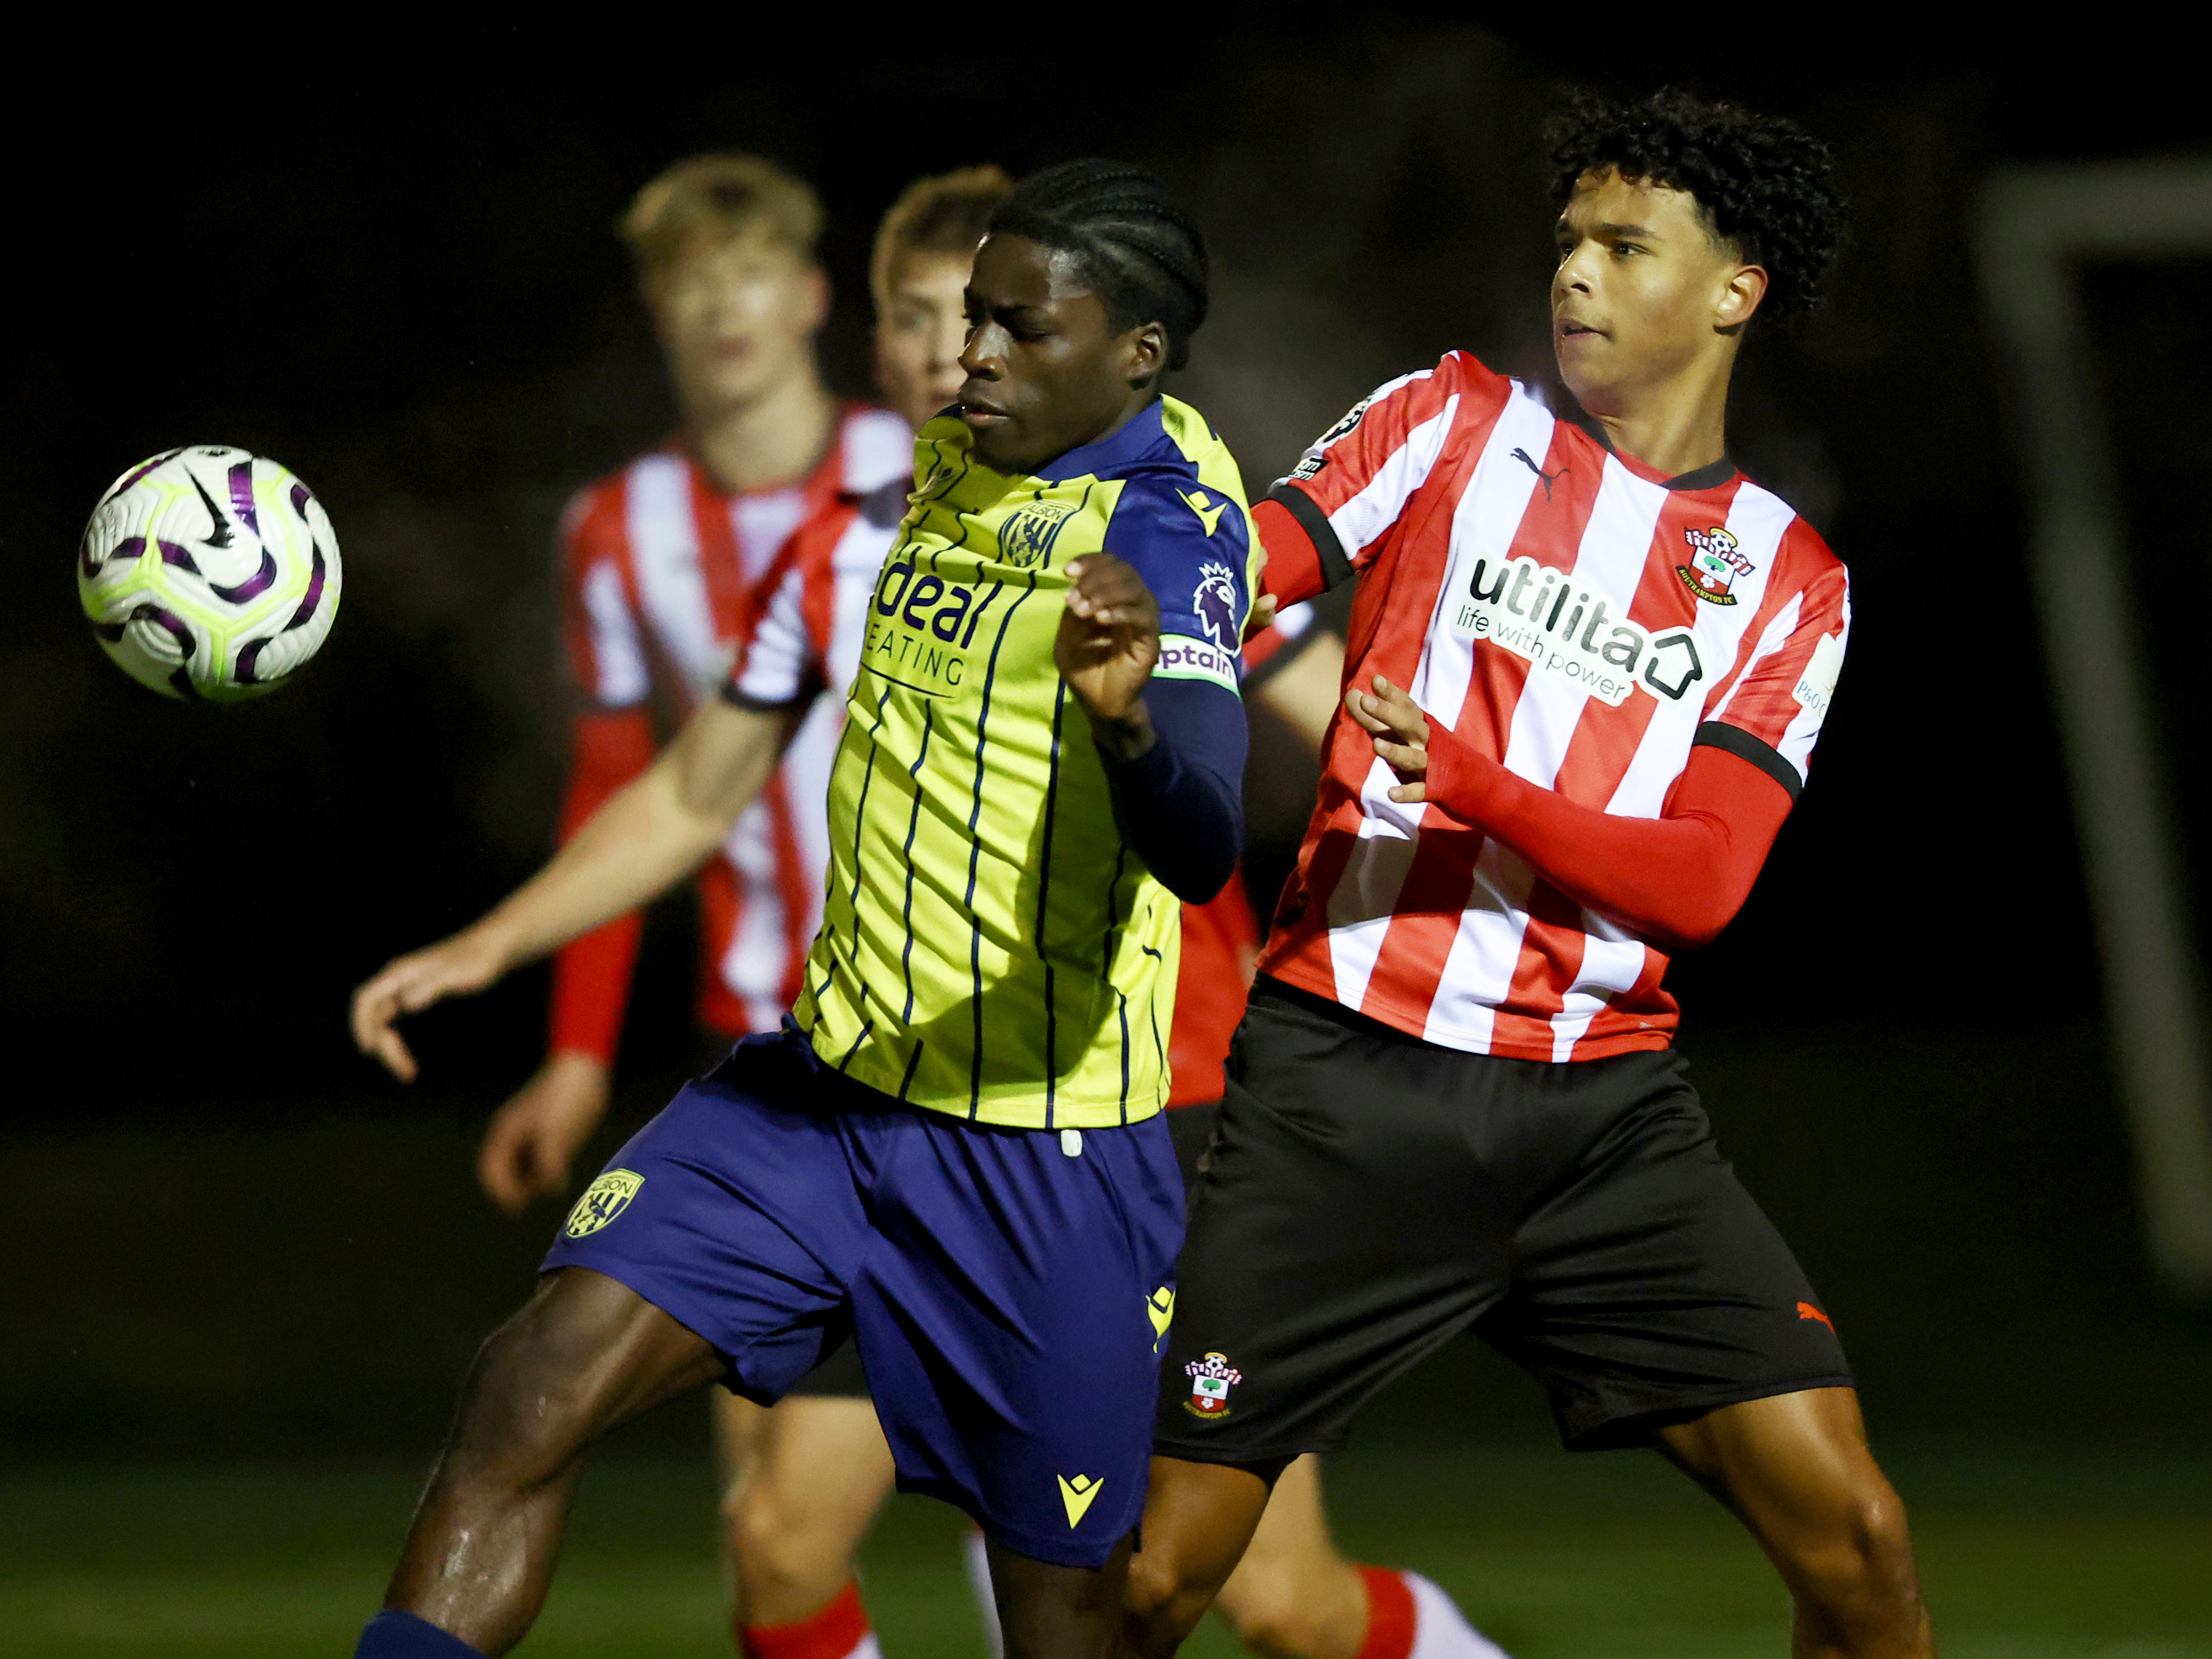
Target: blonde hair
708,199
945,213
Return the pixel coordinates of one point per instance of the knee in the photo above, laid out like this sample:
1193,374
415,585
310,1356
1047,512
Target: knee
1152,1584
1861,1562
1271,1617
773,1542
522,1411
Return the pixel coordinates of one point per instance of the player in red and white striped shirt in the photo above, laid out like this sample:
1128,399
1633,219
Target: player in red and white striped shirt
1588,664
659,563
665,564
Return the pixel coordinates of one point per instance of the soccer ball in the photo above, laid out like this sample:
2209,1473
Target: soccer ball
208,573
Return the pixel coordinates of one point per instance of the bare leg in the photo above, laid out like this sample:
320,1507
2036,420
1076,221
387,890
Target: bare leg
1795,1469
1293,1596
809,1477
1198,1519
586,1355
1047,1612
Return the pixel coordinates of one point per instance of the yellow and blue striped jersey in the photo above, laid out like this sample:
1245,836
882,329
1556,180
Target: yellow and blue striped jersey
990,946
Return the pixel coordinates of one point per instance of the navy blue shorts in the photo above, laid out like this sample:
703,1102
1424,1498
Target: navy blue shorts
1008,1289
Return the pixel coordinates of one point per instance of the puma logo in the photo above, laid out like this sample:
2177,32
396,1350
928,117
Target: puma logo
1549,479
1807,1310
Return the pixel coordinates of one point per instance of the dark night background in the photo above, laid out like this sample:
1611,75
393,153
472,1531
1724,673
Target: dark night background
239,1236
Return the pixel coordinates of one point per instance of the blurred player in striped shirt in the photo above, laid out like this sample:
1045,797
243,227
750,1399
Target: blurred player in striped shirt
1589,666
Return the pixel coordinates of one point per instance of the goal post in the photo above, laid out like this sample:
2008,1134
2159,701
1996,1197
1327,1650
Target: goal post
2037,228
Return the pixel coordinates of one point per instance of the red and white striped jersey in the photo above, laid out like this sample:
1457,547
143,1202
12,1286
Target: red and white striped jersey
1577,618
663,570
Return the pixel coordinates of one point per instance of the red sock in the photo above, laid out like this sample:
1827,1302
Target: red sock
1389,1615
832,1633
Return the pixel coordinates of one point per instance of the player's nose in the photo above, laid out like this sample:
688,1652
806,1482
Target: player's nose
981,358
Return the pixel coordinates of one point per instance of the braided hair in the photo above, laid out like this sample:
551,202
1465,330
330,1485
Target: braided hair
1763,182
1142,256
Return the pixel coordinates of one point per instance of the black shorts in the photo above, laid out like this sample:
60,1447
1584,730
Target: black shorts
1368,1196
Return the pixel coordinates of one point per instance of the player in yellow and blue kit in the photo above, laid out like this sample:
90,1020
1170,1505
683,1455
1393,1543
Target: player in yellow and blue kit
953,1154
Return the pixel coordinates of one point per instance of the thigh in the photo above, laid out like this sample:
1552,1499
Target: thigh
1337,1234
1191,1128
1651,1289
1010,1314
1291,1547
840,1376
584,1356
735,1211
821,1470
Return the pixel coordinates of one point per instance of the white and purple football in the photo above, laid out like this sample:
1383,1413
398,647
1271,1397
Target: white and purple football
208,573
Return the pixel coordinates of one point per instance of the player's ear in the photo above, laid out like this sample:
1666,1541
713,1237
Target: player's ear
1739,298
1147,347
814,288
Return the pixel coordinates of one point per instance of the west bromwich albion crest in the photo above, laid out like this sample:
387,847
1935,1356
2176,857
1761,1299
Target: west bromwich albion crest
1211,1379
1026,538
603,1200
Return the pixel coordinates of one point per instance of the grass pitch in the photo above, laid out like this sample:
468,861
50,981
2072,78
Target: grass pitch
1558,1556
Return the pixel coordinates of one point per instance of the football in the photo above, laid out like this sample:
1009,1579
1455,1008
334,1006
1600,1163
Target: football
208,573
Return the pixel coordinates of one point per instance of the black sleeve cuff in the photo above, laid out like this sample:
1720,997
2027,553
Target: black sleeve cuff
753,705
1718,734
1335,567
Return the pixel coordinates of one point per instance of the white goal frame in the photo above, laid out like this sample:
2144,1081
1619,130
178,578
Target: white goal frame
2037,228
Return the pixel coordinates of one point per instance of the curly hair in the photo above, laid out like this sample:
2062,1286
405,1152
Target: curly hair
1763,182
1143,255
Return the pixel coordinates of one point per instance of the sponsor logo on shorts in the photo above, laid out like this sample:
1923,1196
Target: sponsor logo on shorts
1807,1310
1159,1308
603,1200
1077,1495
1211,1379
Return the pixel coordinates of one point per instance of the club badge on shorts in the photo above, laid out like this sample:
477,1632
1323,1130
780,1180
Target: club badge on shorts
603,1200
1211,1379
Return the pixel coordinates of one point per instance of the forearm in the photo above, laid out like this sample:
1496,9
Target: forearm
1679,878
650,834
1176,773
640,843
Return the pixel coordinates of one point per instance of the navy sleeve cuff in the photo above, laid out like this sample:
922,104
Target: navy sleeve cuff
1180,803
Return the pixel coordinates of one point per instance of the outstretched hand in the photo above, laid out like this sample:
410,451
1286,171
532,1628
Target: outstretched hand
467,961
1109,638
532,1140
1401,732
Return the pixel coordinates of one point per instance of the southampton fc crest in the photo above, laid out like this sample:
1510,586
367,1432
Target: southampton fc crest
1026,538
603,1200
1211,1379
1714,565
